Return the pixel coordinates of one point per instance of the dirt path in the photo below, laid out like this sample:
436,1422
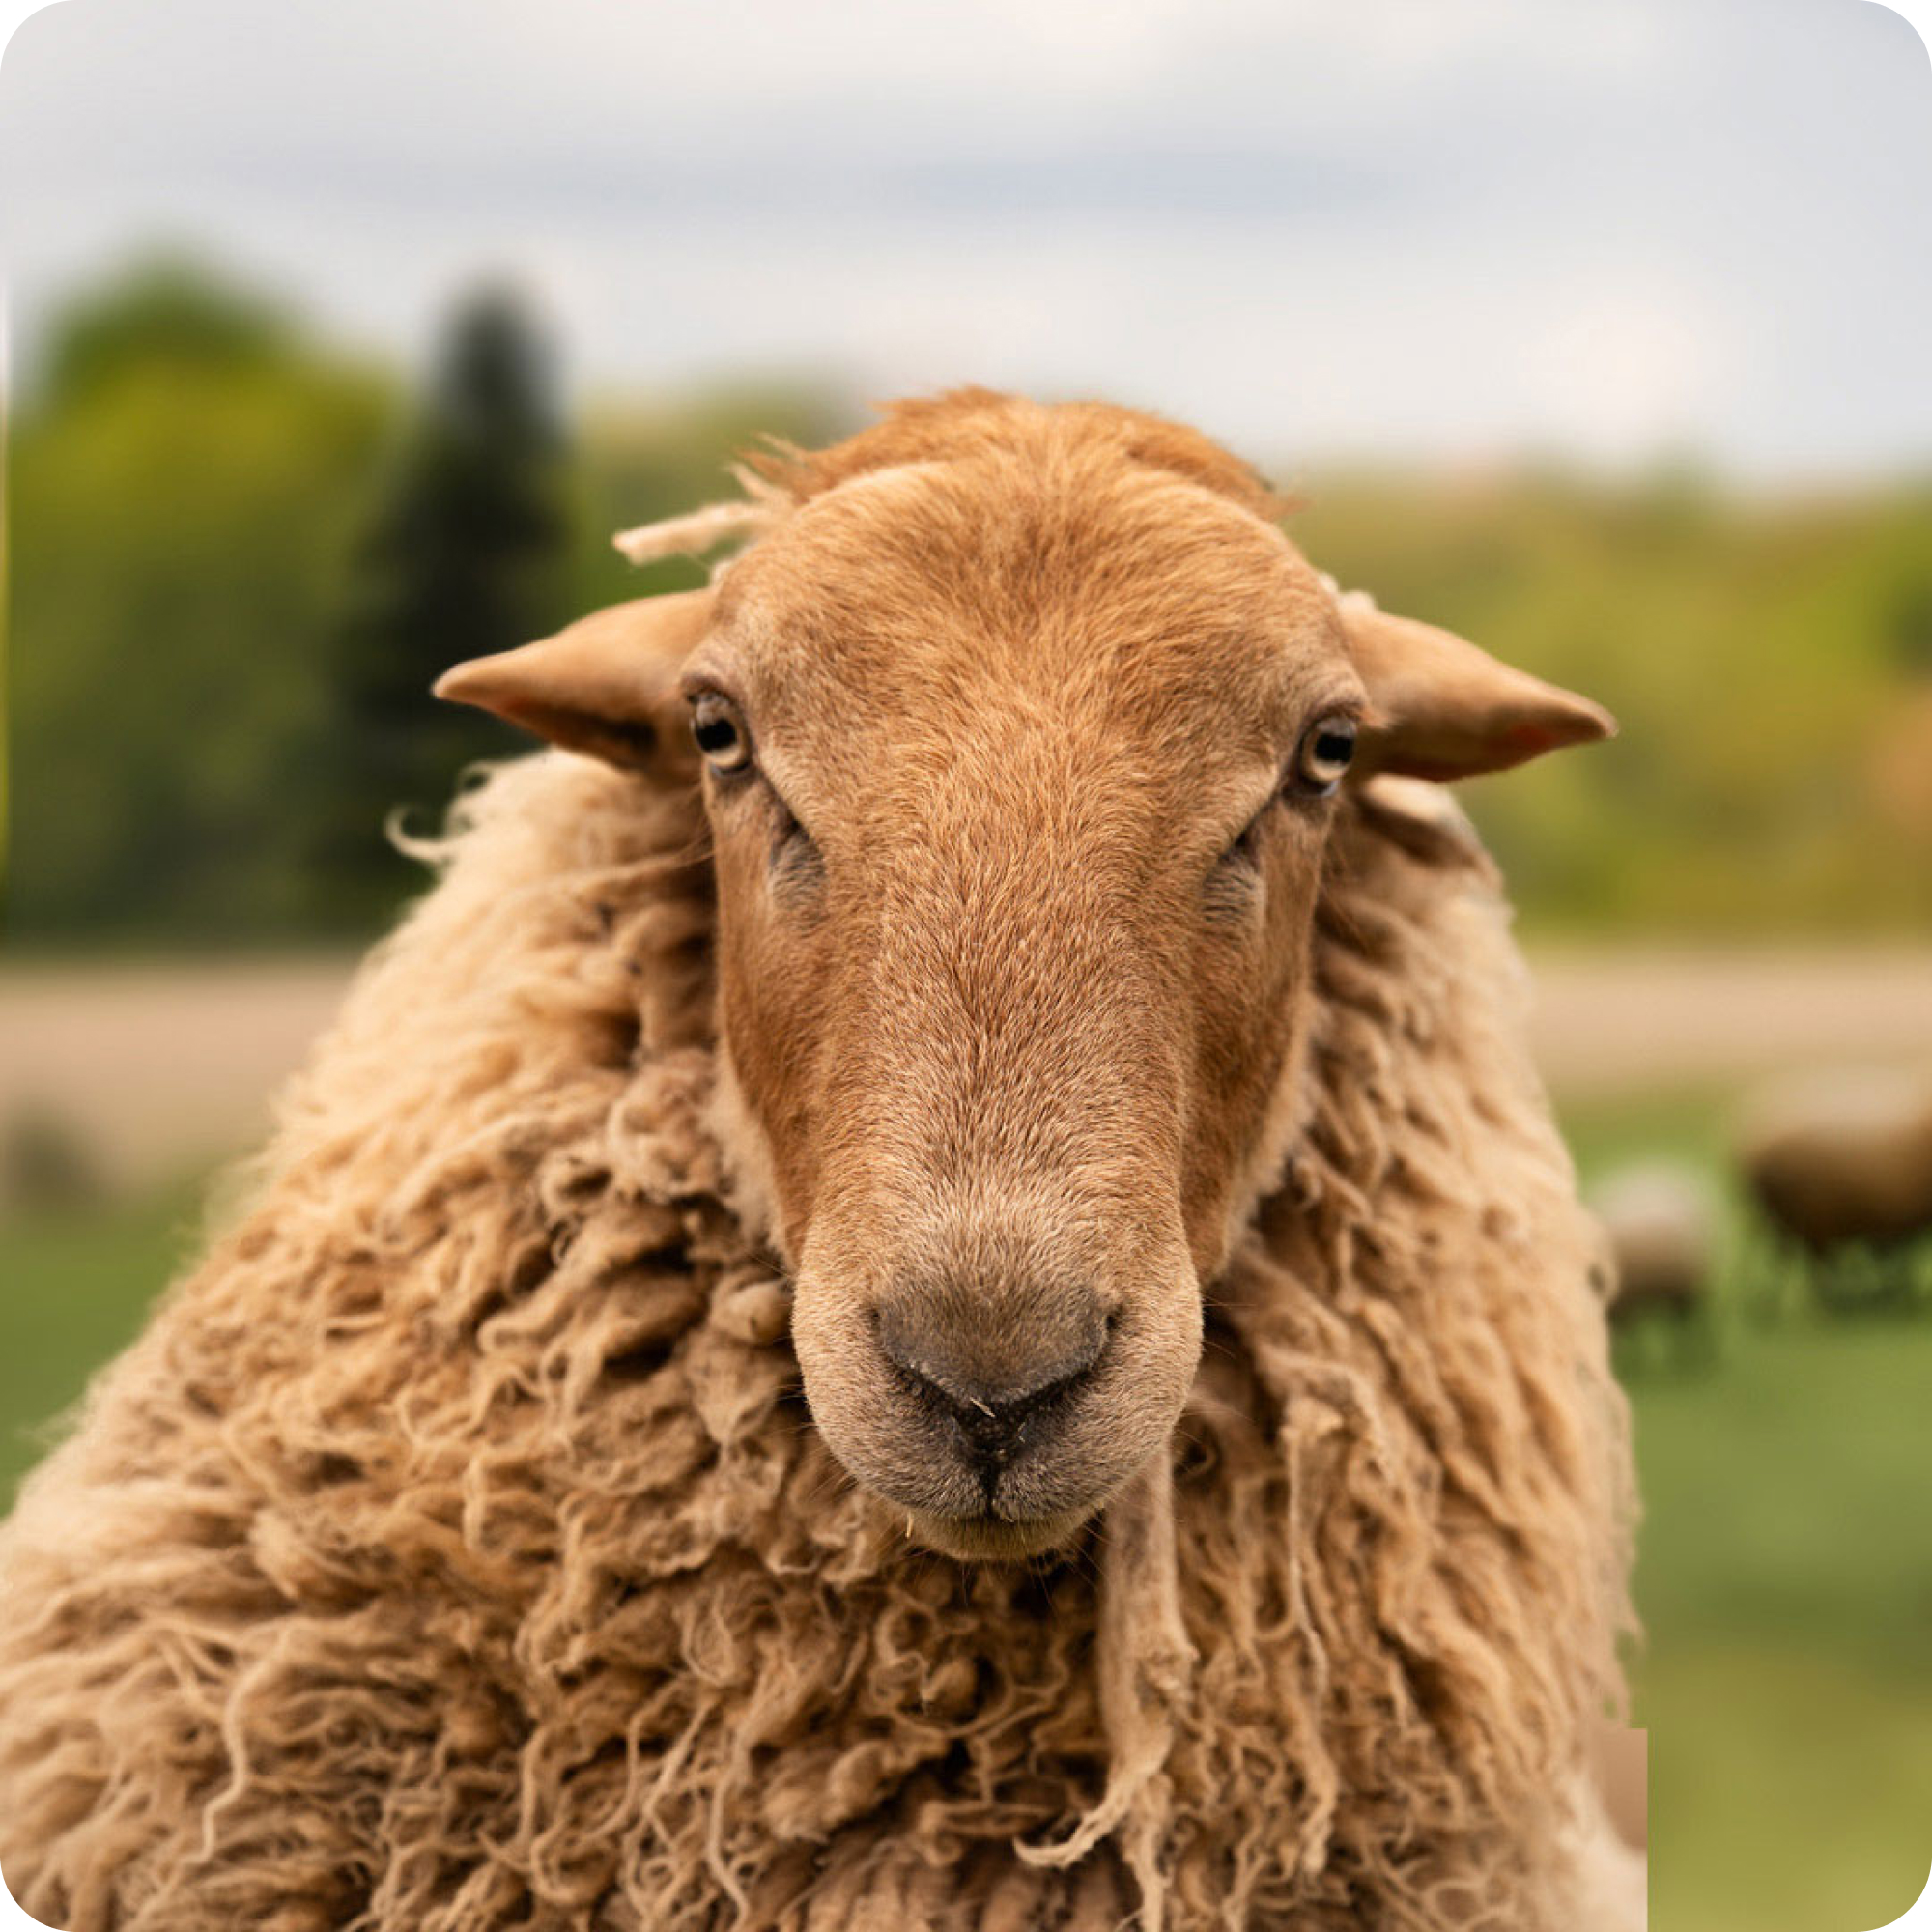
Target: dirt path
1614,1023
154,1070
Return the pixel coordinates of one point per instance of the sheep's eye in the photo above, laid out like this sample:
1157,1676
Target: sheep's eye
718,726
1323,756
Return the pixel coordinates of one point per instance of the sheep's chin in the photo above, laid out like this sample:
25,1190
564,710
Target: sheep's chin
990,1539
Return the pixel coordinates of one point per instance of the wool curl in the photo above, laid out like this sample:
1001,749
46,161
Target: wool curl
454,1550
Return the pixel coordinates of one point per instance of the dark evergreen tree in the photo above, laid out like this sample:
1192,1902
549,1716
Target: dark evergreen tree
467,553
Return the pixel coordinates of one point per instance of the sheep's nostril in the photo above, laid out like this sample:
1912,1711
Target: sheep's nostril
994,1410
992,1434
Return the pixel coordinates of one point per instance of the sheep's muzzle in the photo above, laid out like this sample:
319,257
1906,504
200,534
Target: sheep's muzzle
997,1408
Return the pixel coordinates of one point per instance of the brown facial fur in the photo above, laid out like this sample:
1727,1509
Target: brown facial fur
1010,1027
1016,881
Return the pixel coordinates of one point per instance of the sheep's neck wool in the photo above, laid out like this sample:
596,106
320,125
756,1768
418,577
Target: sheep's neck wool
461,1557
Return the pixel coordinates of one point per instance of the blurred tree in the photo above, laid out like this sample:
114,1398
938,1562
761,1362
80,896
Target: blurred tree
233,581
1912,627
1753,648
466,553
184,480
165,313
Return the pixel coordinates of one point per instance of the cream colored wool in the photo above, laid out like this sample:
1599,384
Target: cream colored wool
454,1550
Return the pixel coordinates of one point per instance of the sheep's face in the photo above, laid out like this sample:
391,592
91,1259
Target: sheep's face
1019,798
1019,739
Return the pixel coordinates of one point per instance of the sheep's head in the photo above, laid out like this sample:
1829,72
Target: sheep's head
1021,733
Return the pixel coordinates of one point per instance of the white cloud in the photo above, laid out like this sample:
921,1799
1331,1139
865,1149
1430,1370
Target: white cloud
1331,225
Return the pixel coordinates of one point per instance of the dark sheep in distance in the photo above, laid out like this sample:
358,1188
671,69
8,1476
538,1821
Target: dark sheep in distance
1840,1163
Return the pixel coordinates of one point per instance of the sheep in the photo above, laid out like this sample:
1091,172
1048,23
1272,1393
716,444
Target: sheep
1839,1161
1660,1237
931,1289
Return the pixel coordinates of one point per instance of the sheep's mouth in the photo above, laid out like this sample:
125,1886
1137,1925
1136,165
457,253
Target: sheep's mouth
988,1538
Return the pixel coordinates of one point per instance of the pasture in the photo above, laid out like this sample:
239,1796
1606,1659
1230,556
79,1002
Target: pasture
1786,1573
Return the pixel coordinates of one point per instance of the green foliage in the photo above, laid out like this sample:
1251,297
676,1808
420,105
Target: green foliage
1760,657
180,526
239,561
235,577
164,314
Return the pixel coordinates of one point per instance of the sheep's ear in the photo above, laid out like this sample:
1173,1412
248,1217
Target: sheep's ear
1443,710
607,685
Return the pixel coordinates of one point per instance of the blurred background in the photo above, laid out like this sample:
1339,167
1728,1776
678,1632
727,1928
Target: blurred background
341,338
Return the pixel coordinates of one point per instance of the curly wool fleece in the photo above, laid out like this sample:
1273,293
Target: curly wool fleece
454,1550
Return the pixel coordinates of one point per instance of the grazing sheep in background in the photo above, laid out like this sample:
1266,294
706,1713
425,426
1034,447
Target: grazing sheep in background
1841,1163
1005,996
1661,1226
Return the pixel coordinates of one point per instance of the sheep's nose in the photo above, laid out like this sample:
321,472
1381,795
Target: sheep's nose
994,1406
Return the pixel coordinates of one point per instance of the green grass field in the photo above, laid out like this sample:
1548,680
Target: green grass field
77,1283
1786,1573
1784,1577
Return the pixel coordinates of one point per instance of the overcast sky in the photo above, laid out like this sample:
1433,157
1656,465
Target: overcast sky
1605,230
